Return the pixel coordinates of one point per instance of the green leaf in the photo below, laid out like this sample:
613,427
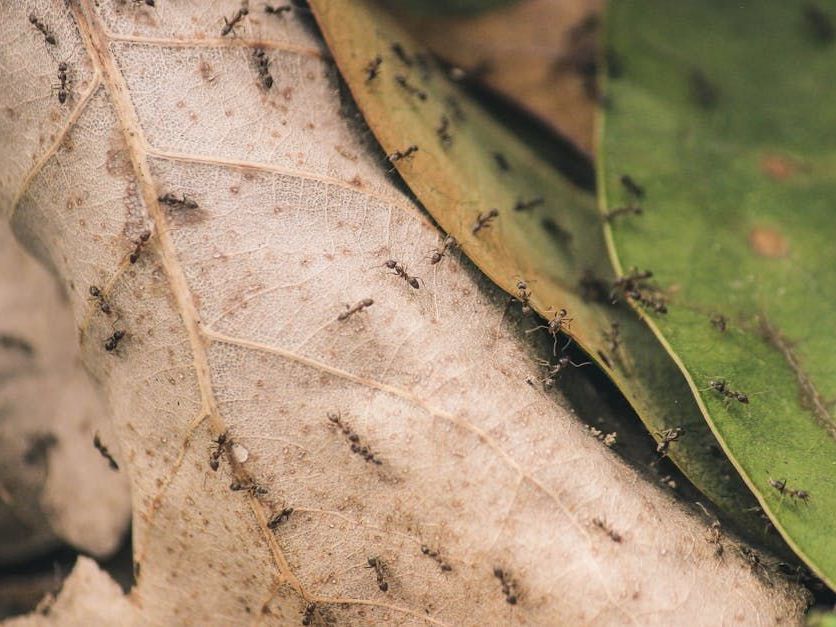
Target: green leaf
724,115
469,165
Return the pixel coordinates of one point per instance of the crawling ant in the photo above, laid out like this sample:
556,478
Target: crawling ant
667,436
715,537
104,452
443,132
401,54
508,585
719,322
172,201
401,272
229,25
262,62
250,486
310,608
37,23
143,238
781,486
380,571
434,554
525,205
215,456
373,68
97,295
554,369
279,518
620,211
523,297
279,10
632,285
63,90
633,189
112,342
438,253
719,385
555,325
484,220
350,311
606,528
409,88
819,24
501,161
398,154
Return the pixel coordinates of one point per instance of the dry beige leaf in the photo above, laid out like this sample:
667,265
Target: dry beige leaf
416,459
54,486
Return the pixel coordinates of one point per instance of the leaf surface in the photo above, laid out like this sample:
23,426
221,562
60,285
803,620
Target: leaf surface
721,117
231,319
557,246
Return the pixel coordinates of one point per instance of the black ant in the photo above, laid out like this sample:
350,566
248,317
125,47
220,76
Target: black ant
104,452
401,54
633,287
523,296
554,369
401,272
279,10
97,295
112,342
350,311
172,201
262,62
719,385
434,554
501,161
250,486
215,456
398,154
380,571
143,238
719,322
279,518
443,132
508,585
409,88
781,486
373,68
63,90
37,23
525,205
606,528
555,325
229,25
667,436
634,189
310,608
438,253
484,220
620,211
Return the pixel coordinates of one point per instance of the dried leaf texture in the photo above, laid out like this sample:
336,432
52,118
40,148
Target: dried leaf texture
54,486
230,320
